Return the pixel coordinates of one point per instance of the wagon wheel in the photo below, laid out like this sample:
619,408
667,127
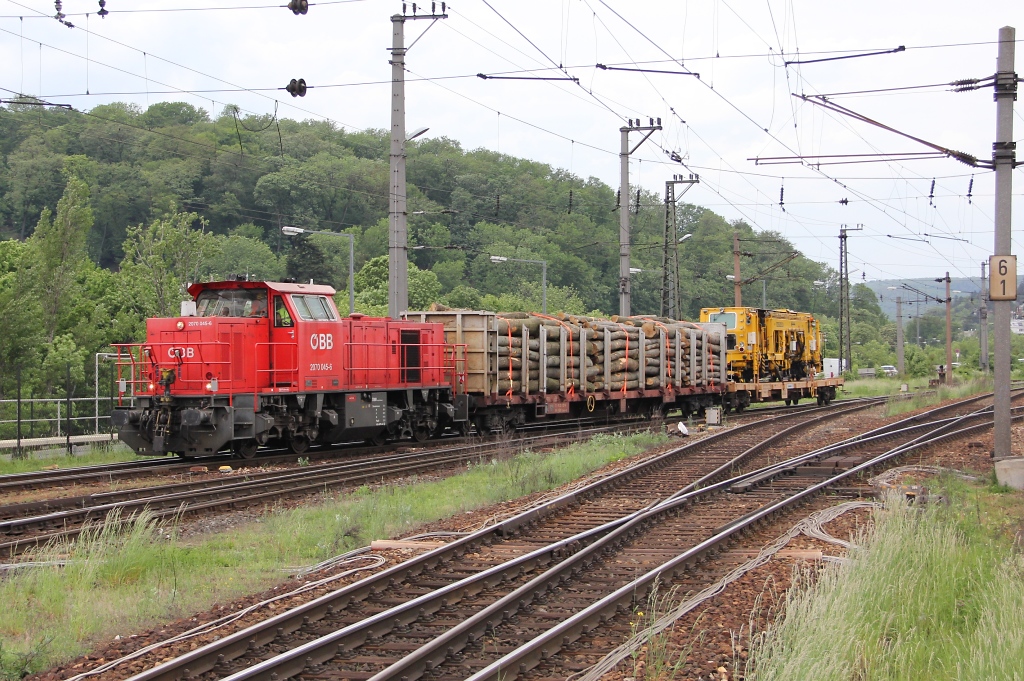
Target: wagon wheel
298,444
245,449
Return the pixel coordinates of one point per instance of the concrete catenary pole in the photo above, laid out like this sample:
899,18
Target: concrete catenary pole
1003,159
737,288
398,254
624,247
900,367
949,333
624,253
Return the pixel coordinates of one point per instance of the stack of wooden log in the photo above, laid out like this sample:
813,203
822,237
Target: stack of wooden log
640,353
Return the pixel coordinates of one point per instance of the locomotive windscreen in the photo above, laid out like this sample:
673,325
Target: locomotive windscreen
727,318
232,303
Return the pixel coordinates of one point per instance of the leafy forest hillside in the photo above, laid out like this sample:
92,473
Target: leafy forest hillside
106,215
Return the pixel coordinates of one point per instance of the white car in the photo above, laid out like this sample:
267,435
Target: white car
888,370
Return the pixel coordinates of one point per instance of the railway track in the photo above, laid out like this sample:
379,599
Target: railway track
459,608
29,524
133,470
34,523
584,511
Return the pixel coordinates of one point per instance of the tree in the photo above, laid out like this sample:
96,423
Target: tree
160,260
59,250
372,287
237,254
307,261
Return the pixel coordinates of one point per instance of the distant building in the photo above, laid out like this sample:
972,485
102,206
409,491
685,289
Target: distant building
1017,326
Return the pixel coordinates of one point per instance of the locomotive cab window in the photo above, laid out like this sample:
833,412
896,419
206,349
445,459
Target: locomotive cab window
281,315
410,356
313,308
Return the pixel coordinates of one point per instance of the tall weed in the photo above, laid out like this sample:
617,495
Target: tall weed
930,595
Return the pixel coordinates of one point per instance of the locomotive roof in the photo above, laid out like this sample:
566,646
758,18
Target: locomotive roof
280,287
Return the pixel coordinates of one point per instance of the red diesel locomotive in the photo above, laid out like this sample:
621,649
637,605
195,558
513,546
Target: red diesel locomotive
248,363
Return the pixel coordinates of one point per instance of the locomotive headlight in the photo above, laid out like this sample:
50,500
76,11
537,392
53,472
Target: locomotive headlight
151,386
181,325
212,385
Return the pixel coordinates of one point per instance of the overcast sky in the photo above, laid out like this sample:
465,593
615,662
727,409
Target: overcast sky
715,122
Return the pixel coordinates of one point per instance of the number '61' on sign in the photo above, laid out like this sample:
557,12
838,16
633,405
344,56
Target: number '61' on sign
1002,283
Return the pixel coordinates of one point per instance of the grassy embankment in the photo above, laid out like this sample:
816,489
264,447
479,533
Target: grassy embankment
120,583
98,454
933,594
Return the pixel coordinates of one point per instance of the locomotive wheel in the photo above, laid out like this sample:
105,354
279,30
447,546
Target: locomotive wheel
465,428
298,444
379,439
421,433
245,449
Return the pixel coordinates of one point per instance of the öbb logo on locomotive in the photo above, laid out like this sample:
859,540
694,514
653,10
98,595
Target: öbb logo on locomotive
232,373
322,341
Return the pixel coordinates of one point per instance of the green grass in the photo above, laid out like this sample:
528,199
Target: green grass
941,394
933,594
118,583
873,387
98,454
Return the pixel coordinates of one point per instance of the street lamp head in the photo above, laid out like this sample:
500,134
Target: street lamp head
416,134
292,231
730,277
684,237
819,283
635,270
498,258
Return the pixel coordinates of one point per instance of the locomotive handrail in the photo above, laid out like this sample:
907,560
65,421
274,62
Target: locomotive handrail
294,372
151,350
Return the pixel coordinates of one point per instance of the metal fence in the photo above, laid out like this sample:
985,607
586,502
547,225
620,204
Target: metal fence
27,417
49,417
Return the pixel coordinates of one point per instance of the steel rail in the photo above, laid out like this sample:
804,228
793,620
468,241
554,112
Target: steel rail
81,504
543,646
140,468
325,648
77,509
452,641
294,483
207,657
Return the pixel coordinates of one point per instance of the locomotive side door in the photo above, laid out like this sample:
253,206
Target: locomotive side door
283,355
